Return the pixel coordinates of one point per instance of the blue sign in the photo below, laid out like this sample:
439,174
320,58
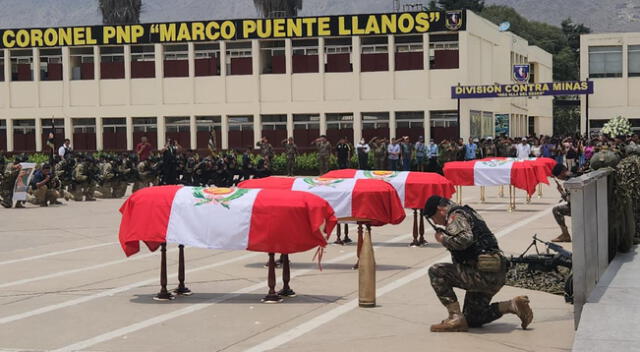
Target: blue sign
521,73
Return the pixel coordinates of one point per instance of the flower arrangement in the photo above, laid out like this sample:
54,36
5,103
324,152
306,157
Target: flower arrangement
617,126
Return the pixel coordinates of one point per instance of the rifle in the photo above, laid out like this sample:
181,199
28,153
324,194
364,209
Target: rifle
563,193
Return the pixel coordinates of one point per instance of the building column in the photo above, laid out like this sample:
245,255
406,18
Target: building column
191,55
223,59
392,125
288,56
391,51
161,130
129,122
7,67
96,62
426,66
38,134
355,59
193,132
290,126
99,132
36,64
257,129
9,131
427,126
68,128
357,125
127,62
323,123
224,122
255,53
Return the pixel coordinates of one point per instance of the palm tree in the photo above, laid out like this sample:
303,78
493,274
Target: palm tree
116,12
278,8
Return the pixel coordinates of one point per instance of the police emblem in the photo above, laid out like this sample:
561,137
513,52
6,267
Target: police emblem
221,196
322,181
453,20
381,175
521,73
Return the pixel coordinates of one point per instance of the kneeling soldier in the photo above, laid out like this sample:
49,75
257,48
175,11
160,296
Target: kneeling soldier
478,267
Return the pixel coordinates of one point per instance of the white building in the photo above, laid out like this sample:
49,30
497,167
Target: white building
107,97
612,62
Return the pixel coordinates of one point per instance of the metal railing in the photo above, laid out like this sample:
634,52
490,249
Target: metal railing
590,233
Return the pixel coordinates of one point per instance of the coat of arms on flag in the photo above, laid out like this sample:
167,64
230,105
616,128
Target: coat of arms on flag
220,196
380,175
321,181
453,20
521,73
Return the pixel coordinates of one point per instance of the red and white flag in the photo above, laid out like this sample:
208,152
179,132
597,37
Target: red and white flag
225,218
414,188
350,198
523,174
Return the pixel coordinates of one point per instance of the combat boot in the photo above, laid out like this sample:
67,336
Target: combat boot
520,307
564,236
455,323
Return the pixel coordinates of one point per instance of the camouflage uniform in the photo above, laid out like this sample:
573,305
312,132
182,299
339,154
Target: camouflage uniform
467,235
107,175
46,193
83,184
324,151
121,183
266,151
291,151
379,154
145,173
9,180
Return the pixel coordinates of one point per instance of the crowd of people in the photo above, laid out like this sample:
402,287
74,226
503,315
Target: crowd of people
83,177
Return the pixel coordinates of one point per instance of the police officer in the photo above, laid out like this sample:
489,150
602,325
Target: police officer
560,211
379,152
324,151
291,152
343,153
266,151
478,267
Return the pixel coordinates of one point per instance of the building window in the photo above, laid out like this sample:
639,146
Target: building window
305,56
58,133
488,128
443,51
410,124
605,61
274,128
306,129
51,64
409,52
634,60
532,73
143,62
375,54
112,62
339,125
272,57
21,62
338,55
207,59
375,124
444,125
1,66
239,58
176,60
178,129
205,126
82,63
146,127
3,135
84,134
475,128
24,135
241,132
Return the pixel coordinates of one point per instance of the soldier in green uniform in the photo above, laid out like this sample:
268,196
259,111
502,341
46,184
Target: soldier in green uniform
291,152
489,148
107,175
266,151
43,186
83,183
478,267
124,172
379,148
324,151
145,175
11,173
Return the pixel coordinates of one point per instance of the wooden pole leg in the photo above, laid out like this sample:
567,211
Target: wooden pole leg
367,274
415,242
540,190
163,295
182,289
346,234
501,192
482,194
422,241
272,297
339,235
286,277
360,239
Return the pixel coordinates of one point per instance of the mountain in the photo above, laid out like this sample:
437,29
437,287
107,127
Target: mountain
601,16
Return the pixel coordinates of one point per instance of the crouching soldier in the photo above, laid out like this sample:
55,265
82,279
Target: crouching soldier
43,187
478,267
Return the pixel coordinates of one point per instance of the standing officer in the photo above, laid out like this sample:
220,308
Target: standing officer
379,152
478,267
343,153
11,173
324,151
266,150
291,151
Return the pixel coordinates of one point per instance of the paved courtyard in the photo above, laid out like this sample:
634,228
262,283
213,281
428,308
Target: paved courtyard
66,285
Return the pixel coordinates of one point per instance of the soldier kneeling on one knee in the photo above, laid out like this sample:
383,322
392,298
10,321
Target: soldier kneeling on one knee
43,187
478,267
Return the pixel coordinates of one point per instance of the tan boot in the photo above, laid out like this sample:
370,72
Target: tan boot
520,307
455,323
564,236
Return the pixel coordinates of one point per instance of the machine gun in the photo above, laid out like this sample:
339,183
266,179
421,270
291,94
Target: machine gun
554,257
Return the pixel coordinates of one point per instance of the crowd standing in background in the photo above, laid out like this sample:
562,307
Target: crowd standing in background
83,177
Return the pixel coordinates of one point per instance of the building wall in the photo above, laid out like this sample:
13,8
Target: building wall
612,96
485,57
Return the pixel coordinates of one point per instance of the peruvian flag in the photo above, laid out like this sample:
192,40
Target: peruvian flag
372,200
225,218
414,188
523,174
